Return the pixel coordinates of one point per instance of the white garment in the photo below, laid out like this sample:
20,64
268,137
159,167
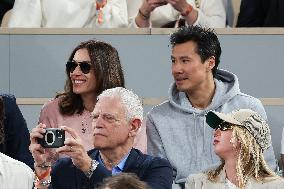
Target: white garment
200,181
282,142
67,14
230,185
14,174
210,14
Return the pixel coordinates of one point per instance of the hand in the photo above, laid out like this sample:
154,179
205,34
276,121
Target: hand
38,152
149,6
75,150
179,5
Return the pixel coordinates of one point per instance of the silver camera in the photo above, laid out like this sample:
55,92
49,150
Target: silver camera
52,138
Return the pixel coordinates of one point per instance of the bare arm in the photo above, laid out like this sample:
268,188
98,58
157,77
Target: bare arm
211,13
143,16
190,14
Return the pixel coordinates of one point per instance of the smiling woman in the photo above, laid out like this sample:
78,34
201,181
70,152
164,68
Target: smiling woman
92,67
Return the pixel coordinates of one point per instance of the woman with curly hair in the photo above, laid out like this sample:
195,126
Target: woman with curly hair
240,139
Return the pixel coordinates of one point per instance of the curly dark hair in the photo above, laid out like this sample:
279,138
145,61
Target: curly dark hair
206,40
108,72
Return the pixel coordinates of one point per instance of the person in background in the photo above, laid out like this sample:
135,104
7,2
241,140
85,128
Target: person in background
15,174
117,118
173,13
177,126
123,181
261,13
240,137
92,67
14,134
69,14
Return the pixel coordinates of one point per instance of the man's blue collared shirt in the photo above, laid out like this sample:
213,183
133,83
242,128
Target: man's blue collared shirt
117,169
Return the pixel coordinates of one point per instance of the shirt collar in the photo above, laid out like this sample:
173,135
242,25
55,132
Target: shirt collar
119,167
122,162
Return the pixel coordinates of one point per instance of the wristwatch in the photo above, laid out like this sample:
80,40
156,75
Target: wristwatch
93,167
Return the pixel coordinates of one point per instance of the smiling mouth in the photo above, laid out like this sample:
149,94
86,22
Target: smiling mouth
78,82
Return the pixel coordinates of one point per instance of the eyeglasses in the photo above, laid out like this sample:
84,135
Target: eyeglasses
85,66
224,126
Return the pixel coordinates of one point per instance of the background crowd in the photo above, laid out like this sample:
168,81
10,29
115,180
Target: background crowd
141,13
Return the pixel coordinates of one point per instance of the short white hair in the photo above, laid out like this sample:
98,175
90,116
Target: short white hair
130,100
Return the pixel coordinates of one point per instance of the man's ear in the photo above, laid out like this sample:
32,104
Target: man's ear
211,63
135,126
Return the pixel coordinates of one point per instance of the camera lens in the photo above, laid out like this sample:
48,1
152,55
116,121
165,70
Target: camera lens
49,137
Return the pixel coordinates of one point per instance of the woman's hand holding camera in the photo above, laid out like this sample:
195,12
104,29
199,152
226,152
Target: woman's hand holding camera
75,150
38,152
41,157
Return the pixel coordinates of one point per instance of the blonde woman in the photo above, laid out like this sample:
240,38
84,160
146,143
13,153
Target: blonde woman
240,138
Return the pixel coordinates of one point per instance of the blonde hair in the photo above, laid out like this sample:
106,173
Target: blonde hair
250,160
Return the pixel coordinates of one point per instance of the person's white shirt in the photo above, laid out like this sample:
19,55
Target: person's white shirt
68,14
15,174
211,13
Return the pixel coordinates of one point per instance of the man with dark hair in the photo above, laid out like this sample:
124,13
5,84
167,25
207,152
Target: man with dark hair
176,129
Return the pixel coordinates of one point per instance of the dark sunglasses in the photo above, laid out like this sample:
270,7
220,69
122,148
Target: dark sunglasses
85,66
224,126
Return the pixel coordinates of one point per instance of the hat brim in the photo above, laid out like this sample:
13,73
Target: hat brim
214,119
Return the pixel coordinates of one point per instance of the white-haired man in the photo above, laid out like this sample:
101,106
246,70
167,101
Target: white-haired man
117,117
